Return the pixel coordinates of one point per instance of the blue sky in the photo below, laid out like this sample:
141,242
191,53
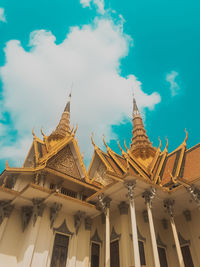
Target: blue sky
106,49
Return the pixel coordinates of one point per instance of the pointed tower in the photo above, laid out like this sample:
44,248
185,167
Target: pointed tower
63,128
141,145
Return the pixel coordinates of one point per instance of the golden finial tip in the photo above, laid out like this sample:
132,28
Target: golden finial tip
33,133
104,141
159,143
186,137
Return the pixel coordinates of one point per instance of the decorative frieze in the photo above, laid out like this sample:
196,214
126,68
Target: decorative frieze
88,223
187,214
103,203
149,195
5,210
27,212
63,229
38,208
123,208
78,217
130,185
169,206
54,210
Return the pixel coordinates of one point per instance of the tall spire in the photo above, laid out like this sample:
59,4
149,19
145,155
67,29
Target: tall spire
63,128
140,141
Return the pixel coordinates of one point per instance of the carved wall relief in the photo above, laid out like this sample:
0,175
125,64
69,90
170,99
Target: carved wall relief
65,162
100,175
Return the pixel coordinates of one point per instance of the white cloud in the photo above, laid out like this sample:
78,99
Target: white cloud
174,87
2,15
98,3
36,83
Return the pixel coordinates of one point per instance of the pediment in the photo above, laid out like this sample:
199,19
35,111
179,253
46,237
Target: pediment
64,162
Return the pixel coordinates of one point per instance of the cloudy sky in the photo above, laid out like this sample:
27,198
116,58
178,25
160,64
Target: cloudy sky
104,50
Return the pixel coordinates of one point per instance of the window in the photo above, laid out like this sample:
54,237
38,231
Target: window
142,254
60,249
95,252
162,257
114,254
187,258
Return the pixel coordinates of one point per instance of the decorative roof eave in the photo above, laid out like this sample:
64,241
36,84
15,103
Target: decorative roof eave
56,148
182,147
98,151
102,190
154,161
164,155
67,177
23,169
136,161
75,143
112,154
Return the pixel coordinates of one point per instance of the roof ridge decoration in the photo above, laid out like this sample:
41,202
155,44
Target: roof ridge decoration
112,154
182,149
163,155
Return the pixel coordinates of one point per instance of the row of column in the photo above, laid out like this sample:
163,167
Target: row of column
148,195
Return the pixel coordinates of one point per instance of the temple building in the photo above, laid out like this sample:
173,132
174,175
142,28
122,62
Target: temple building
140,208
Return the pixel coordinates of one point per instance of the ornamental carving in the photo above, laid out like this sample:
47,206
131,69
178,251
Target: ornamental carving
123,208
100,175
54,210
103,203
149,195
38,208
130,185
5,210
78,217
63,229
65,163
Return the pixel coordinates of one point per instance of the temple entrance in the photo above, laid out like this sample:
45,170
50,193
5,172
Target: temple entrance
60,250
162,257
114,254
95,249
187,258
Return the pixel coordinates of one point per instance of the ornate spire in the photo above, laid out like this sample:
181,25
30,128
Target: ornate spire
140,140
63,128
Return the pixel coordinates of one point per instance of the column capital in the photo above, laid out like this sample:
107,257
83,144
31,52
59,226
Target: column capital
130,185
169,206
149,195
104,203
195,193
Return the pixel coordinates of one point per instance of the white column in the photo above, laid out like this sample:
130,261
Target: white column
125,235
107,254
168,204
149,195
104,204
130,186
